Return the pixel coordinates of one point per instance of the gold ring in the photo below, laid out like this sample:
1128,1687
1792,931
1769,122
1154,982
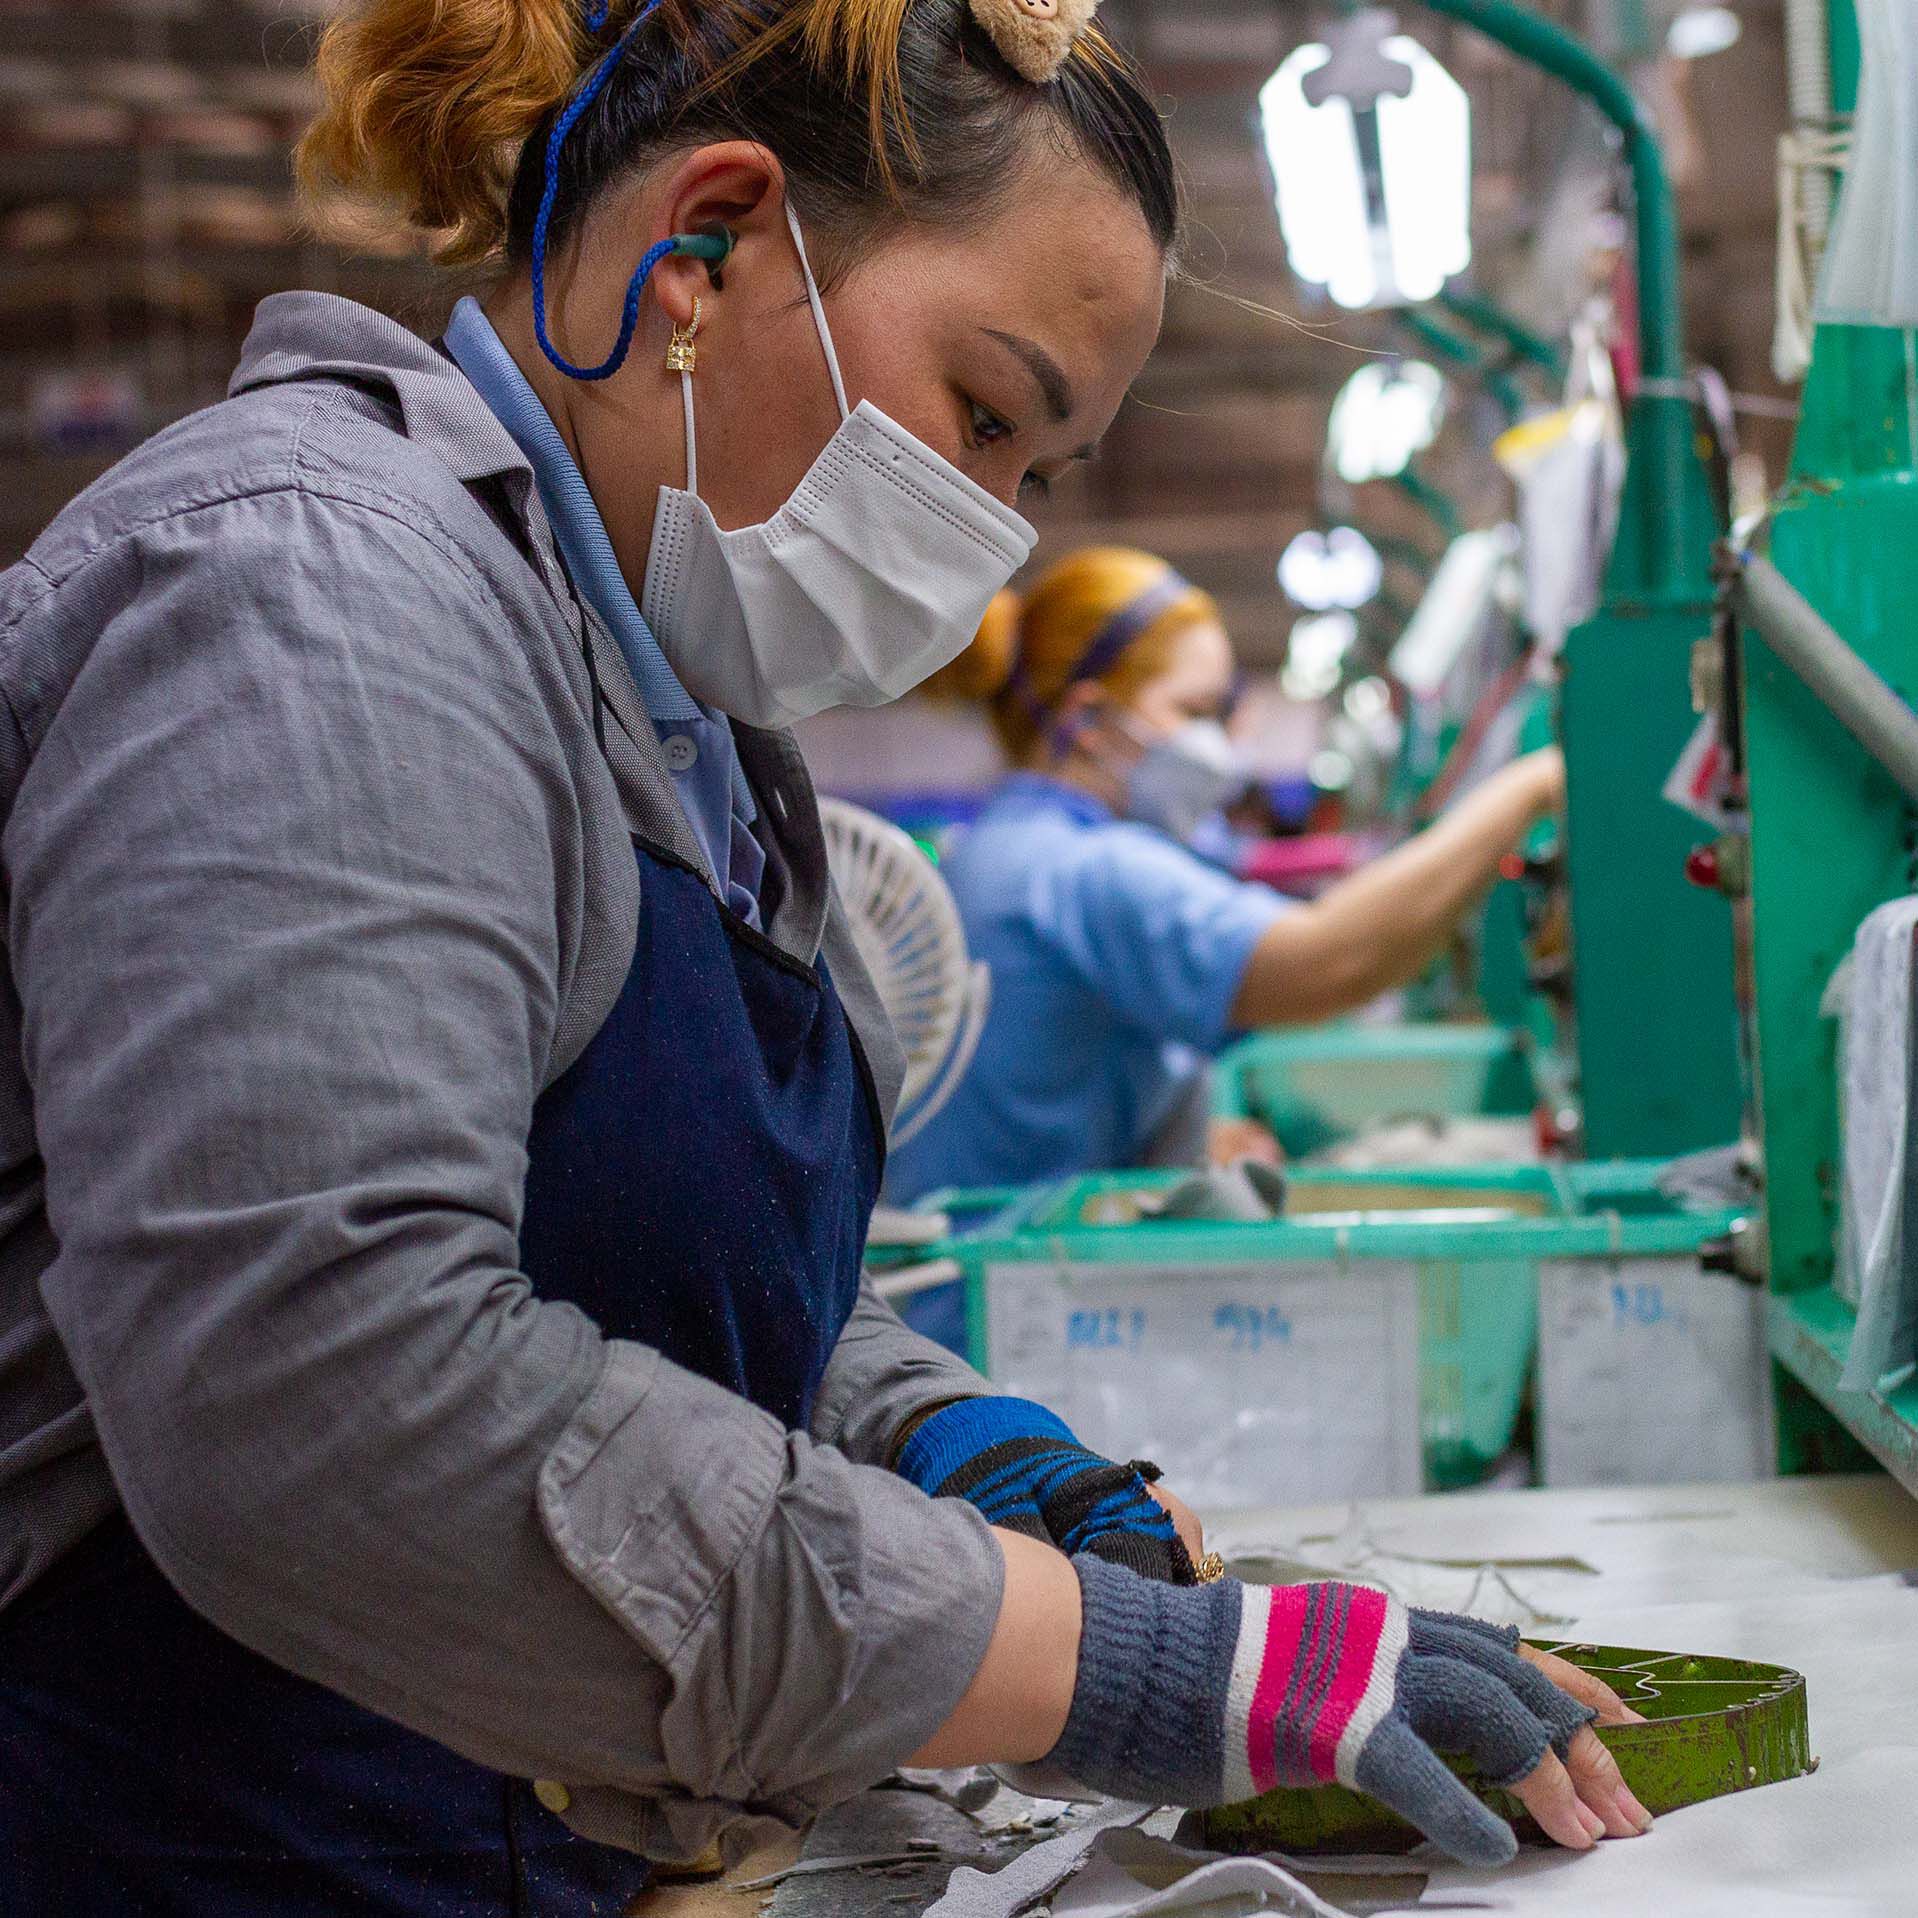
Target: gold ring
1210,1569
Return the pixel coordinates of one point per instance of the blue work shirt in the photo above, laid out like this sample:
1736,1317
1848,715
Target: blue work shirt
1116,955
700,753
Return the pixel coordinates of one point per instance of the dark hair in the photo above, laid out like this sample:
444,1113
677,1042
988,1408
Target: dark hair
881,111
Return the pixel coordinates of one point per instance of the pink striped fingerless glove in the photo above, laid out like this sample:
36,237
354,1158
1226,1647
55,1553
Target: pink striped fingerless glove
1207,1695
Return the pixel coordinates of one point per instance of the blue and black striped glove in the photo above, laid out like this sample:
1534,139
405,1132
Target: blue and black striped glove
1021,1466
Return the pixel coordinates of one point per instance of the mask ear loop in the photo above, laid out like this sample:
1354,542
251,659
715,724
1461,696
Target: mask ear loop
819,326
818,312
692,436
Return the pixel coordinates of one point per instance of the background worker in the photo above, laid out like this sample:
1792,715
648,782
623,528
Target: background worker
1121,959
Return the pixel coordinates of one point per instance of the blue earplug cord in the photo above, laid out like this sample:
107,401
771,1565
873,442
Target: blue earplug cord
711,247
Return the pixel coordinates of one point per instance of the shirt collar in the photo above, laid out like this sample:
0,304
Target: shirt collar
582,536
1037,792
300,336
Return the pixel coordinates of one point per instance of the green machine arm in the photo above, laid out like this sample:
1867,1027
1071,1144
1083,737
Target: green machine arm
1661,433
1489,317
1443,343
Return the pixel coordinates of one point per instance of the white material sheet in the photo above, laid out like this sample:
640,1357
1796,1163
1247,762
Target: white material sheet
1651,1372
1119,1882
999,1894
1540,1559
1875,1100
1250,1384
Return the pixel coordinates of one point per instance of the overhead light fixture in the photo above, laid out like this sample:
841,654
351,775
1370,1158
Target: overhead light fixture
1340,568
1696,32
1315,656
1387,412
1369,141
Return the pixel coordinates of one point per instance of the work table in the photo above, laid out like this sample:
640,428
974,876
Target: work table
1802,1572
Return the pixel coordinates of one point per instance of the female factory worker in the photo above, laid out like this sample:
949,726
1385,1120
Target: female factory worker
1119,958
446,1454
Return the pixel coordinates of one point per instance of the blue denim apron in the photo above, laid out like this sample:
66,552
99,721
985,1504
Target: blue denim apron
700,1181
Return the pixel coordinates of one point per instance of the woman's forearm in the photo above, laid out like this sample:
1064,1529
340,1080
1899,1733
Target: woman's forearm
1015,1710
1382,926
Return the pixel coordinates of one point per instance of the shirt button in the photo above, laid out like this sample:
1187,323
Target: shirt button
682,753
552,1794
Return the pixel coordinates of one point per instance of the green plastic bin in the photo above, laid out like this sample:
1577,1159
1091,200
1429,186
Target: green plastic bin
1476,1237
1316,1088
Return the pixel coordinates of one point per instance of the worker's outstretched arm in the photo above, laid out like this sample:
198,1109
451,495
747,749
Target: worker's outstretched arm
1379,928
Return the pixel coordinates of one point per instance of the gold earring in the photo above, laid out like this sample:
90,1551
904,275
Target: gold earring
682,356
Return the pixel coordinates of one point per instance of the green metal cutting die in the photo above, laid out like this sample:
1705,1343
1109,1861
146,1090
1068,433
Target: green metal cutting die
1715,1726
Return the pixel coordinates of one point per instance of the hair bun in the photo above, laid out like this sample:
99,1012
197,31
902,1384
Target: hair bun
1035,37
982,671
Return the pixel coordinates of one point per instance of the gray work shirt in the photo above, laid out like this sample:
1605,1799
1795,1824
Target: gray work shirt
316,876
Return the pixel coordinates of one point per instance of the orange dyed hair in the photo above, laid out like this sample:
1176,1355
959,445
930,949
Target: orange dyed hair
429,104
1025,656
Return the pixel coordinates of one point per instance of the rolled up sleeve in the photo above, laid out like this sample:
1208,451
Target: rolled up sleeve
882,1372
289,876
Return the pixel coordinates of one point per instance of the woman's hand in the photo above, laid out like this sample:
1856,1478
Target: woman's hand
1541,777
1383,924
1588,1781
1151,1710
1184,1521
1588,1690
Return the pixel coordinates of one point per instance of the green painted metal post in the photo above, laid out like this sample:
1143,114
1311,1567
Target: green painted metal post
1654,1011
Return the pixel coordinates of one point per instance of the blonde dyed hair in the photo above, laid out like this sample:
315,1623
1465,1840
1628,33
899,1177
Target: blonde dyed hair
1029,651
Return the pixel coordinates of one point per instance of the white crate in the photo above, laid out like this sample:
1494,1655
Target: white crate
1251,1384
1651,1372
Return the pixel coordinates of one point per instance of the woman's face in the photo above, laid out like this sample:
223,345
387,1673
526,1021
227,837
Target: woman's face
1195,683
1007,348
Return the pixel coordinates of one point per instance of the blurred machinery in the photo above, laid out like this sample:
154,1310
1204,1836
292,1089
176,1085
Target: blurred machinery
1599,947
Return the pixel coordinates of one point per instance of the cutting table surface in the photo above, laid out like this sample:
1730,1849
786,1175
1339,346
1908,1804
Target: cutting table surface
1810,1573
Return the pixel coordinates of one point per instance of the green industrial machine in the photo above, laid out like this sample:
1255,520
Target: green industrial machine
1816,705
1713,1726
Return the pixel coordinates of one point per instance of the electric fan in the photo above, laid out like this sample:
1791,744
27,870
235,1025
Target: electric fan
908,933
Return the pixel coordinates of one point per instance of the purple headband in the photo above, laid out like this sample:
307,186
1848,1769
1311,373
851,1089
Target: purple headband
1108,644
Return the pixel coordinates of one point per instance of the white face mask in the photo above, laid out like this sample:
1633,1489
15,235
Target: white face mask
1184,776
874,575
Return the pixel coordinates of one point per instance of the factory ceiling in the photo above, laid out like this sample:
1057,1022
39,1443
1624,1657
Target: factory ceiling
146,205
